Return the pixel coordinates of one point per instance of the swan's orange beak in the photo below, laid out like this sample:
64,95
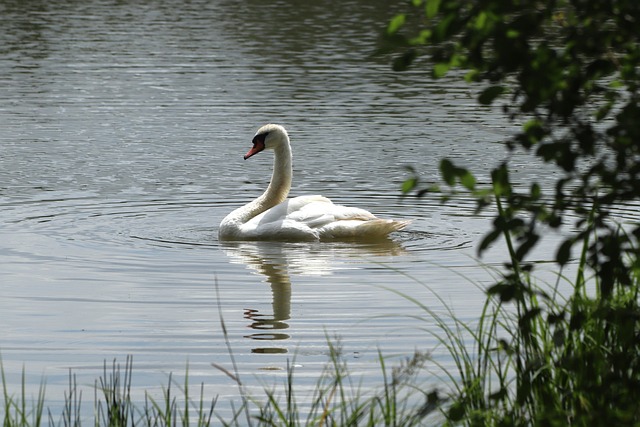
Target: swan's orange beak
258,146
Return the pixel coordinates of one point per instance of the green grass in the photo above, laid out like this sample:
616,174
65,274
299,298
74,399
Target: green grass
539,357
338,400
19,411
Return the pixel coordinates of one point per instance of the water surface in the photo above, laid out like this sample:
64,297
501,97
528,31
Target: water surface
123,129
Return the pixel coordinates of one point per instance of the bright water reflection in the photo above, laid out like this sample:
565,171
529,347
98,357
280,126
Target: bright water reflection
276,262
123,129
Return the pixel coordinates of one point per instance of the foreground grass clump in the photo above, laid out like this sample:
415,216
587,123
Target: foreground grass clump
113,405
541,357
551,361
337,401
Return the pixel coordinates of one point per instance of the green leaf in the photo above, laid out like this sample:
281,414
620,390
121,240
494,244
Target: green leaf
468,180
533,133
456,61
536,191
527,245
512,33
488,240
395,23
556,318
440,69
489,94
472,76
500,180
499,395
422,38
431,8
456,411
409,184
506,292
532,125
529,315
564,252
559,337
616,84
429,189
604,111
481,20
448,171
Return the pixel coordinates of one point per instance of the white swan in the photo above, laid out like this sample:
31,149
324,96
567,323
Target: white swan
274,217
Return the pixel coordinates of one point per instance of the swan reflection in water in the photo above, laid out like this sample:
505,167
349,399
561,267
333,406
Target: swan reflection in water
278,261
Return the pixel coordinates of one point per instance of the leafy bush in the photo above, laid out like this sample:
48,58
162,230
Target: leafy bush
568,71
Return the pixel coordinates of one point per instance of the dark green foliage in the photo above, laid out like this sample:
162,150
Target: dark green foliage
569,71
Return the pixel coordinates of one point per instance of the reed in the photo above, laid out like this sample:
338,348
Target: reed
20,411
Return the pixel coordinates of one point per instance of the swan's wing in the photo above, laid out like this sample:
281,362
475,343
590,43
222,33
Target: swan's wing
317,214
288,209
331,221
314,217
309,211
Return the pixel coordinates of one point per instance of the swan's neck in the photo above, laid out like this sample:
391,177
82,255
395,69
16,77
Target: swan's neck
278,188
280,184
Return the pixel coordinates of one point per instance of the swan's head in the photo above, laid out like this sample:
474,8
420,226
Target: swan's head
268,137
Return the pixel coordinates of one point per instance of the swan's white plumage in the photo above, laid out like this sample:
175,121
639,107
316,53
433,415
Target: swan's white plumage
305,218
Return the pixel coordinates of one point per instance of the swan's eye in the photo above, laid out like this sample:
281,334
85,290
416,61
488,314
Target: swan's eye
260,138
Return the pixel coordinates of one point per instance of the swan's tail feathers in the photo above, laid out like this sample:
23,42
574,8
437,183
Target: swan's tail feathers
379,228
372,229
383,227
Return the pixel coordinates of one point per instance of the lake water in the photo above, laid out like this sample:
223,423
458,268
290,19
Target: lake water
123,126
